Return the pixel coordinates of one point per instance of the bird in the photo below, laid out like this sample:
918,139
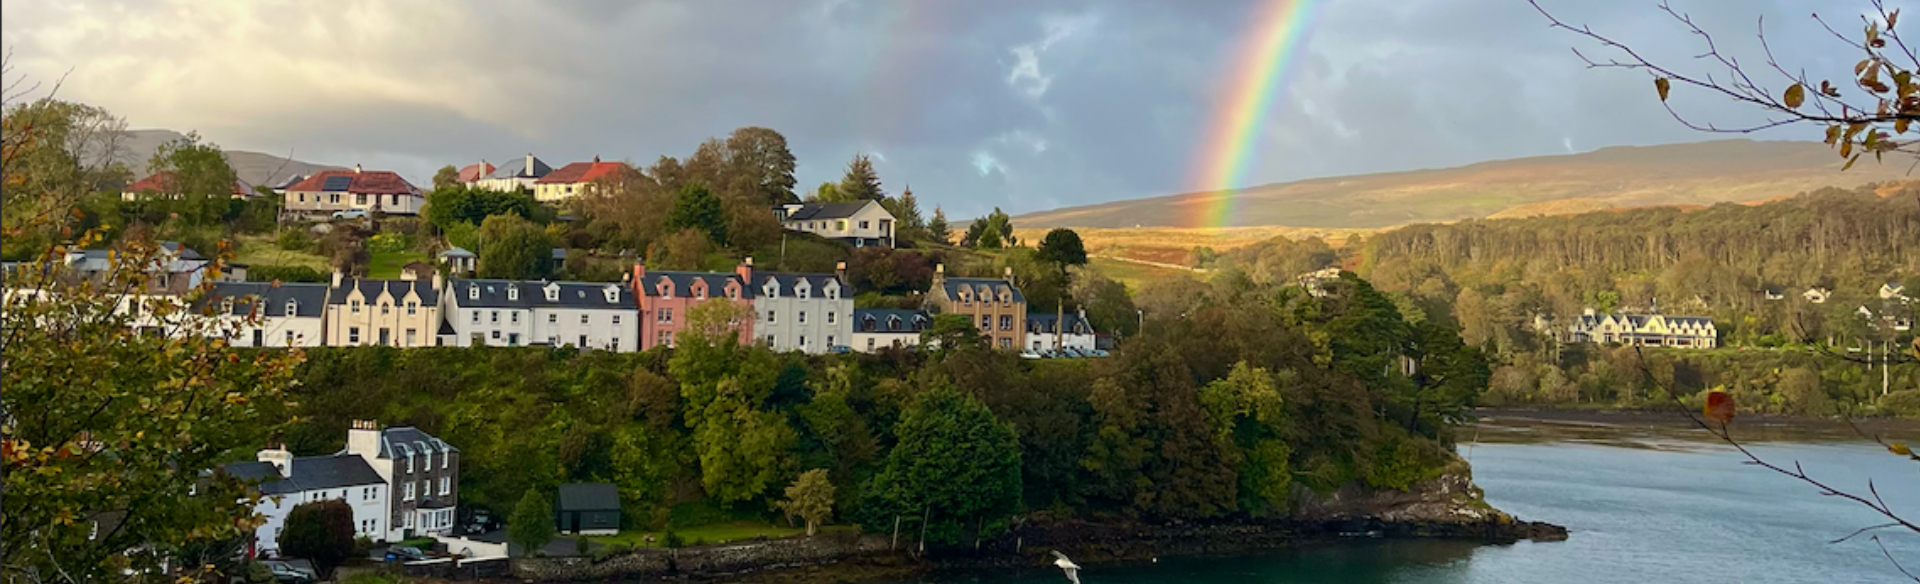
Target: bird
1066,565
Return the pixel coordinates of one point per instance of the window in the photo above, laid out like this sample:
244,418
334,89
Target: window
496,335
476,316
1006,343
582,343
514,316
303,197
333,198
829,341
386,336
292,308
1006,322
666,315
495,318
616,320
386,308
803,291
353,335
986,322
869,344
840,225
583,319
412,307
359,198
353,306
833,293
863,224
803,317
410,337
553,319
513,339
830,315
289,338
663,338
426,488
616,343
473,292
803,341
769,340
409,498
513,292
446,486
445,459
409,460
771,318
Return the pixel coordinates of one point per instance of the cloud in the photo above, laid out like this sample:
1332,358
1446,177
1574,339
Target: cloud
1067,102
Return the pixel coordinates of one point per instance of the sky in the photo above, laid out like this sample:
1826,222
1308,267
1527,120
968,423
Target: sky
975,104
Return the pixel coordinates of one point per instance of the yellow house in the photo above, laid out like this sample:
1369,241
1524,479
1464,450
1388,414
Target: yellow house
395,313
996,307
1644,330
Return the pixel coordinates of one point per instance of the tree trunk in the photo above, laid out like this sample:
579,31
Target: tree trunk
925,518
896,534
810,526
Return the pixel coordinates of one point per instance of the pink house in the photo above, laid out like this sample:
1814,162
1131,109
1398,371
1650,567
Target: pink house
667,297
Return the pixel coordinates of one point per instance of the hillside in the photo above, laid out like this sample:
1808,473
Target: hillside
1701,173
254,167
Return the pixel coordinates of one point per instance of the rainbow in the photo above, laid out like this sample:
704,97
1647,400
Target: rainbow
1278,29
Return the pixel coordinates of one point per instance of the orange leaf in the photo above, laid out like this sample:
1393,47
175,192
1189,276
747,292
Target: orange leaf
1719,407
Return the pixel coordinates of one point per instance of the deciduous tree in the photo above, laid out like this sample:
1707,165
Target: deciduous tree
531,525
810,498
320,531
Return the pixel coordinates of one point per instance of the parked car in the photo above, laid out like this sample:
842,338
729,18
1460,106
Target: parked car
839,349
1029,354
481,522
1099,352
405,554
285,573
350,214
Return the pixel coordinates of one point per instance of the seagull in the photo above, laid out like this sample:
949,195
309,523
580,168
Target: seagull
1066,565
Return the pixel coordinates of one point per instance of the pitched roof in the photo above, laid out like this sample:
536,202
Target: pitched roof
1043,323
160,182
579,172
310,473
398,288
363,182
890,320
308,299
789,281
516,167
401,441
587,497
476,171
806,211
456,252
982,288
683,282
493,294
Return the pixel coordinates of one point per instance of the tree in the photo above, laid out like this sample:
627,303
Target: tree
906,210
937,229
467,204
697,208
760,156
531,525
810,498
980,237
953,332
197,173
954,463
513,248
320,531
861,182
1062,246
445,178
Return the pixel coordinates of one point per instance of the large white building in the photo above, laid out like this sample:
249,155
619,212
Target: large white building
514,175
508,313
875,329
861,223
422,474
810,313
1644,330
286,481
1051,332
260,314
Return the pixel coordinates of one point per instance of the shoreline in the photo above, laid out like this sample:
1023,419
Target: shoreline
1625,426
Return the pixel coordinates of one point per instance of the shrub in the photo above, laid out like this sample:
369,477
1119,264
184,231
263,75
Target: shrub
671,539
387,243
1905,403
294,240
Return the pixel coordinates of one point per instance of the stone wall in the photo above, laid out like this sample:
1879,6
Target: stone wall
706,562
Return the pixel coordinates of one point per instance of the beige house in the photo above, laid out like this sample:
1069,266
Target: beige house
1644,330
395,313
861,223
571,180
996,307
332,191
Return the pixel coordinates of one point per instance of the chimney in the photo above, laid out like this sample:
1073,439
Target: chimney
1588,311
336,277
596,159
1009,274
363,439
528,171
438,282
745,270
356,169
279,458
639,278
840,271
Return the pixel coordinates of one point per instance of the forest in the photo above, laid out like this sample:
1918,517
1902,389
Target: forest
1253,397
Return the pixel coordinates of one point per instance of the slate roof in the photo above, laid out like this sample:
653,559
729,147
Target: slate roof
160,182
397,442
587,497
579,172
398,288
476,171
185,253
788,281
816,211
683,283
364,182
890,320
1043,323
292,179
456,252
310,473
516,167
1640,320
493,294
309,299
982,288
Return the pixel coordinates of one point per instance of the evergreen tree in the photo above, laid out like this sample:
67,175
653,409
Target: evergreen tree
954,464
861,182
531,525
937,229
1062,246
697,208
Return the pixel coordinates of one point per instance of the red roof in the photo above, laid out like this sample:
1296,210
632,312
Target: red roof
473,172
158,183
365,182
579,172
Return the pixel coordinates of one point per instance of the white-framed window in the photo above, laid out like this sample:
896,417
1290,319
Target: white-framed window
769,340
616,344
289,338
830,316
616,320
829,341
803,292
513,339
386,308
666,315
476,316
353,306
473,292
409,496
409,462
803,341
513,292
583,319
353,334
412,307
771,318
514,316
446,485
293,308
802,319
863,224
553,319
869,344
445,459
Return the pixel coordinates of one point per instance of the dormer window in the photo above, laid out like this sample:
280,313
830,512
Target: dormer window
353,306
770,290
803,291
386,308
513,292
473,292
665,288
292,308
553,292
833,292
226,306
613,294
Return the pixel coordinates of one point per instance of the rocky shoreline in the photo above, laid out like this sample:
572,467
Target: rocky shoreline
1447,507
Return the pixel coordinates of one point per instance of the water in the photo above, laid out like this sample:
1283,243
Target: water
1658,512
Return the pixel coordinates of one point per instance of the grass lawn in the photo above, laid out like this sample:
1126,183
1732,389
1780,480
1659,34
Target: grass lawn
386,266
1133,275
262,251
715,533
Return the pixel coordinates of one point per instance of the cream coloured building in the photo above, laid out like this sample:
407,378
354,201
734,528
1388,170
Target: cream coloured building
395,313
1644,330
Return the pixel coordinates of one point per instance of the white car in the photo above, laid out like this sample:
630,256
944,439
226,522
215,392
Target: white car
1029,354
350,214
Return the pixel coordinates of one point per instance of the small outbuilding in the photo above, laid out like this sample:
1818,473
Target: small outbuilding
587,509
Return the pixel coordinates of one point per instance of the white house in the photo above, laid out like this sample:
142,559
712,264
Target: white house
810,313
1892,291
320,195
875,329
1644,330
421,472
459,260
1051,332
1817,295
861,223
285,482
260,314
514,175
507,313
